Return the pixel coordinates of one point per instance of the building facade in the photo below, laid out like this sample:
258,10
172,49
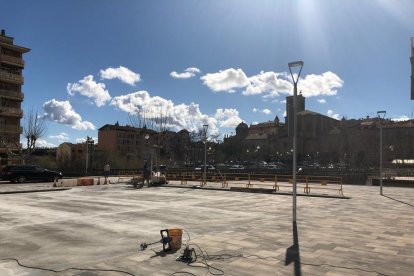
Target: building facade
133,146
322,139
11,97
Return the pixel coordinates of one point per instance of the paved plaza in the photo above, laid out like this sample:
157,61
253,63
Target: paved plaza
97,230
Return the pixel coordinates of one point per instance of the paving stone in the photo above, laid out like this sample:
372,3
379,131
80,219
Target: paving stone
102,227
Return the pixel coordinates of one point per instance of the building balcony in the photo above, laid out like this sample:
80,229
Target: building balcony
12,60
4,147
12,129
9,77
15,95
11,111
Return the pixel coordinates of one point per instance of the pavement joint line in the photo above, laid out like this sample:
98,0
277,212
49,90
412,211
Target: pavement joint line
35,191
333,237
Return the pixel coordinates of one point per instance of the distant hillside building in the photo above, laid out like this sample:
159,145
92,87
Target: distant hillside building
11,97
68,152
300,101
322,138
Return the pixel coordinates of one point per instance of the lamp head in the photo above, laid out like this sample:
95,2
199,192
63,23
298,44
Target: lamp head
382,112
295,64
292,65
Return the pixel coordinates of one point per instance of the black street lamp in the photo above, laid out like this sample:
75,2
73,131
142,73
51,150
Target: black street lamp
89,149
205,128
147,153
297,64
379,113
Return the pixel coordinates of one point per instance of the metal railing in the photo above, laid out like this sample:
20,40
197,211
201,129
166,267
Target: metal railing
253,180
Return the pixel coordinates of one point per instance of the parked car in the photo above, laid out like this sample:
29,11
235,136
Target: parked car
236,167
22,173
208,168
272,167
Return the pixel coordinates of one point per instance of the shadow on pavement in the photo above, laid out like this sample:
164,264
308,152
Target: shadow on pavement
292,253
399,201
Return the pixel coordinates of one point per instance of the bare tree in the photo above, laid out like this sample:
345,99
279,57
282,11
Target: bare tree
155,119
34,128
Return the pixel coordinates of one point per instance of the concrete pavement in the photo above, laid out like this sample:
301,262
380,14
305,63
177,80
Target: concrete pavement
101,227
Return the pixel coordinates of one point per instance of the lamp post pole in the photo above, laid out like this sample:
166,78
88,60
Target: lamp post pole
379,113
295,94
87,155
147,154
89,142
205,128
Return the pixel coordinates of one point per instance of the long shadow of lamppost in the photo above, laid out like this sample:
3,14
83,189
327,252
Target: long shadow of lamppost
293,253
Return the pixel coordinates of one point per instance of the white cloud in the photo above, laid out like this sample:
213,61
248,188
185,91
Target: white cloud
226,80
228,117
122,73
401,118
181,116
83,140
89,88
322,101
332,114
316,85
61,137
41,143
265,111
272,84
62,112
188,73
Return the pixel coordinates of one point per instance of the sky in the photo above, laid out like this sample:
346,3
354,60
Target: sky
215,62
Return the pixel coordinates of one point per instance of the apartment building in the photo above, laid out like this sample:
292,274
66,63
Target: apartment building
11,97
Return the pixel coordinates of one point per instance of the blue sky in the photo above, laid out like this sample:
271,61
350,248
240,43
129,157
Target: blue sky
218,62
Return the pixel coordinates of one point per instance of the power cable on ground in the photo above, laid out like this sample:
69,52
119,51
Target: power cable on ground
206,257
66,269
